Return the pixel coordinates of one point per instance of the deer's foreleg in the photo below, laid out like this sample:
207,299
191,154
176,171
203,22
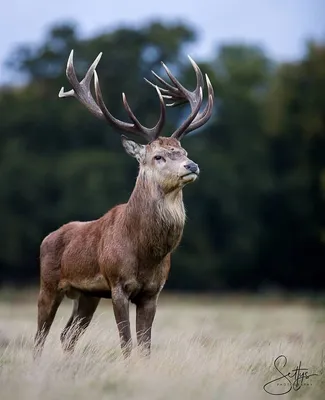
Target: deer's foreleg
146,310
121,311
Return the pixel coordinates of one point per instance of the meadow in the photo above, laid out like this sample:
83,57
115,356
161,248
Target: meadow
205,348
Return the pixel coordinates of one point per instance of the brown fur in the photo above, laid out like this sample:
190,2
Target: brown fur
124,255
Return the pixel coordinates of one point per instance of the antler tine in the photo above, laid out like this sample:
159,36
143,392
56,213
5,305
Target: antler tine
170,89
151,133
199,79
180,95
81,91
178,85
167,85
160,124
135,128
205,115
181,131
198,73
195,98
114,122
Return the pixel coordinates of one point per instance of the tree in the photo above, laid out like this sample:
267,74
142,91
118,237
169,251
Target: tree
293,213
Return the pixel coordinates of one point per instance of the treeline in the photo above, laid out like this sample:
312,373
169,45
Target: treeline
256,216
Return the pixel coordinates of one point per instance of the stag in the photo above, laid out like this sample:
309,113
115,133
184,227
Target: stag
125,254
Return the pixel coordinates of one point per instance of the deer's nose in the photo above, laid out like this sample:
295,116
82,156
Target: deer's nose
192,167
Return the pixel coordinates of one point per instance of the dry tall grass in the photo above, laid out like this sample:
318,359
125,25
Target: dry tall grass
201,350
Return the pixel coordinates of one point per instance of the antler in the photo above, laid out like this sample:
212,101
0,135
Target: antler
180,95
81,91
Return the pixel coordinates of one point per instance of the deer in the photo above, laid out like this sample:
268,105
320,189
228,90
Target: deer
125,255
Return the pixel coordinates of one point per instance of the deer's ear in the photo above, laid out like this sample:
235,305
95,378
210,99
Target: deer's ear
135,150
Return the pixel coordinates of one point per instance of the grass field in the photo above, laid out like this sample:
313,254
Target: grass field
203,348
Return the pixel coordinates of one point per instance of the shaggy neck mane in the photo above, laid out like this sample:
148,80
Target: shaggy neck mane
157,218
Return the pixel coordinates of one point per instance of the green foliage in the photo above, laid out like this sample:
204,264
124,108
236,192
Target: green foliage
255,217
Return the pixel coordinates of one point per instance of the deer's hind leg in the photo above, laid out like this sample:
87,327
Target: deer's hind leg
49,300
83,310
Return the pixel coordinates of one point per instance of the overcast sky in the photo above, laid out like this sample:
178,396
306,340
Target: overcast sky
280,26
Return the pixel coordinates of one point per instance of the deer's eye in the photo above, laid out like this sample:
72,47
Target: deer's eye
159,158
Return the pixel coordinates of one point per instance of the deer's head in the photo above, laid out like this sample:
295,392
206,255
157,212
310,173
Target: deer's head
163,160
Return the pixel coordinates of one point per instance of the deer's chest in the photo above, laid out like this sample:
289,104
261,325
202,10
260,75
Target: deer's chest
167,230
148,279
162,242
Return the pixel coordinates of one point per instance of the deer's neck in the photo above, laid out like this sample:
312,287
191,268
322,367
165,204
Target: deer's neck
158,218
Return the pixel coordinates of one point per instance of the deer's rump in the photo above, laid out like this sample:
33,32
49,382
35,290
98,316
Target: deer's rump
71,254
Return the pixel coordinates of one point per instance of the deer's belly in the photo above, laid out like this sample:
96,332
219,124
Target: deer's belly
92,286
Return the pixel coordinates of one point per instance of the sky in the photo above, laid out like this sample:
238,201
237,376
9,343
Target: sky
281,27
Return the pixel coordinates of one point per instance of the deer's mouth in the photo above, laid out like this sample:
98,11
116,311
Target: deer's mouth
191,173
190,176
